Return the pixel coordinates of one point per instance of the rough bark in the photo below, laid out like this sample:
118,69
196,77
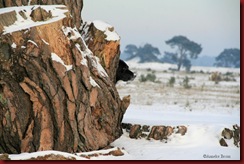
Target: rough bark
108,51
44,106
74,6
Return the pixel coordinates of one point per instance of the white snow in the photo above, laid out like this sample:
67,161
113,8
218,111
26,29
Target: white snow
56,58
13,45
73,32
21,23
83,54
93,82
24,156
107,29
166,66
175,115
96,64
45,42
206,109
197,144
102,154
94,60
31,41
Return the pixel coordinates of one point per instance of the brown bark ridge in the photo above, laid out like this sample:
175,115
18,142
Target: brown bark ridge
54,94
74,6
98,38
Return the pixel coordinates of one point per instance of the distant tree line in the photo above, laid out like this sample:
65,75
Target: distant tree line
228,58
184,50
146,53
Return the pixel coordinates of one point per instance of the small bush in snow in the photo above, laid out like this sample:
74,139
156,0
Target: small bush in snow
171,81
149,77
201,71
217,77
186,84
202,86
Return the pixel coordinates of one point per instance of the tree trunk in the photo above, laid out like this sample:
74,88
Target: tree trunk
54,94
108,51
179,64
182,55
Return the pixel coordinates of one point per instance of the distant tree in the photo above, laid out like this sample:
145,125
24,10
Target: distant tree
184,48
149,49
228,58
170,57
131,49
187,64
146,53
129,52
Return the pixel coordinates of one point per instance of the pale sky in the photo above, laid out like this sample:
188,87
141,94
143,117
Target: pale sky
215,24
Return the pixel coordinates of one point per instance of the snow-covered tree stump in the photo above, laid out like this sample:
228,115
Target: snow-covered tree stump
54,94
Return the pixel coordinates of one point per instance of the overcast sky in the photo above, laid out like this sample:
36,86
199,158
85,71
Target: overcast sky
215,24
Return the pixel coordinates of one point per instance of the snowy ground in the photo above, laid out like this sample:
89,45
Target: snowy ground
206,109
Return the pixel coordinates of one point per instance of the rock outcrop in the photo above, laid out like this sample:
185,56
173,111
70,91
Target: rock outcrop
159,132
229,134
54,93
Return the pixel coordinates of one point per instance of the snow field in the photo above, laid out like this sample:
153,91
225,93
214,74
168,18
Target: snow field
206,109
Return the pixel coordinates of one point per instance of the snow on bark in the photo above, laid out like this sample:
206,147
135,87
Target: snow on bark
46,105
